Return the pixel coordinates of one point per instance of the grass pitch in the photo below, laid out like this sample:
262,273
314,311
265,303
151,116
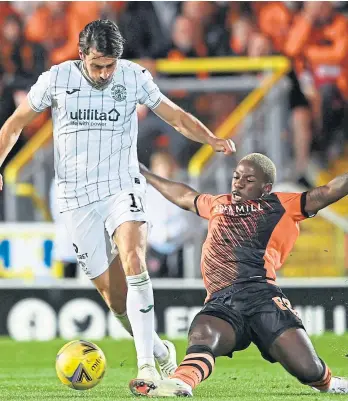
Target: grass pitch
27,372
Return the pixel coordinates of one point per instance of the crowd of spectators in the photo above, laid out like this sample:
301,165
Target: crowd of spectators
313,35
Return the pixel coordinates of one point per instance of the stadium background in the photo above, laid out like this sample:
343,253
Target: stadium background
272,75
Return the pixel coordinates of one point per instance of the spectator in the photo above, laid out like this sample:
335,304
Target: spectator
142,31
185,40
170,224
274,20
258,45
206,15
22,61
48,17
6,9
78,15
241,33
318,40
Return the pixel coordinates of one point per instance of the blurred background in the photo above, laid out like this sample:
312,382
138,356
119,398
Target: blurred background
271,75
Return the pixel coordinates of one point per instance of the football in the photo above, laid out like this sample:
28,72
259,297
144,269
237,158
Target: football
80,365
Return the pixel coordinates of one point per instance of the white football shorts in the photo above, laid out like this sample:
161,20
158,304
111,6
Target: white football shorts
91,228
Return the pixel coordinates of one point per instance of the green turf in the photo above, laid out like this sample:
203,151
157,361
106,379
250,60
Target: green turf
27,373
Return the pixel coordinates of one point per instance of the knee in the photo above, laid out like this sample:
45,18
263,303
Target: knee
201,337
310,371
133,261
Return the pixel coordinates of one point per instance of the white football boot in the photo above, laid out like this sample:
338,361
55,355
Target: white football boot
148,372
171,387
338,385
168,366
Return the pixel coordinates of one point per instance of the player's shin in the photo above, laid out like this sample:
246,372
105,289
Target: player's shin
330,384
323,384
197,365
140,308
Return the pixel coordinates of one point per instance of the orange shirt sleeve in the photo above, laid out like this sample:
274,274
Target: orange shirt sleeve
294,204
203,205
336,51
298,37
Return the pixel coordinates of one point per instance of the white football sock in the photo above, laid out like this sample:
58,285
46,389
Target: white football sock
159,349
140,309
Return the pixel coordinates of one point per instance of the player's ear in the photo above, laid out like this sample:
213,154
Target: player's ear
80,54
267,189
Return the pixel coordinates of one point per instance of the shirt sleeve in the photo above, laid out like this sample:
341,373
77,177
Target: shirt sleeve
148,92
203,204
294,204
39,96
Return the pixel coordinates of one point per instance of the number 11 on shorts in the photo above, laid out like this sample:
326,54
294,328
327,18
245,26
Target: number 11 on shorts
136,204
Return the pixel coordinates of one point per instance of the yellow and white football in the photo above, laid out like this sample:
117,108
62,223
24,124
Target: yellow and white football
80,365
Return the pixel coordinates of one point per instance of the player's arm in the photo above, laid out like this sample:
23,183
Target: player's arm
13,127
179,194
320,197
191,127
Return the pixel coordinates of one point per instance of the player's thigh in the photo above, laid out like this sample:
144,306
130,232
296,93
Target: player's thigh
213,332
294,350
86,229
279,334
221,325
126,223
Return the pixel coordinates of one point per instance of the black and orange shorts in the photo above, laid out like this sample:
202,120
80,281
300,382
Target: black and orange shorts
258,312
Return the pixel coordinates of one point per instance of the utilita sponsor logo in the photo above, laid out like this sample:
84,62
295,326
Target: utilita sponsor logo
95,115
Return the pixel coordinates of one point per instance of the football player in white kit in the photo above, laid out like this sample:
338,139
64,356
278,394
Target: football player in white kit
100,189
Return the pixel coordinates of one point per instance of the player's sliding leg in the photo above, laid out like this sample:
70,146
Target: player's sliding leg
112,286
209,337
294,350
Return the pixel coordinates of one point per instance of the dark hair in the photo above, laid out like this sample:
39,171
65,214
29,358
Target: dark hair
102,35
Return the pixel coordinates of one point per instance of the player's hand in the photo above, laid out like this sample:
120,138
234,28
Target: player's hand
1,182
226,146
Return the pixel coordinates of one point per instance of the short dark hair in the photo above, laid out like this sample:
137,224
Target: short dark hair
102,35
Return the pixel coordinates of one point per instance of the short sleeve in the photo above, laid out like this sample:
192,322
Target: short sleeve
148,92
39,96
294,204
203,205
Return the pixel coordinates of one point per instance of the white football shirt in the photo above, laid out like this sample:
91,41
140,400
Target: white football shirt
94,130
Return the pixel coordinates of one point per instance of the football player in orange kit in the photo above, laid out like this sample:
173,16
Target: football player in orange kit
251,232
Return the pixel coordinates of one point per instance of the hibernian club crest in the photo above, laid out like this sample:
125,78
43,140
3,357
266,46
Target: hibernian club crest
118,92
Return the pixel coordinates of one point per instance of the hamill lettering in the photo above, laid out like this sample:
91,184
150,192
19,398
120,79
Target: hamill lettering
238,210
95,115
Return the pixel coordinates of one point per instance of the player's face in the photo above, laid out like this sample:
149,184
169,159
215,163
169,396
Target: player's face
247,183
100,68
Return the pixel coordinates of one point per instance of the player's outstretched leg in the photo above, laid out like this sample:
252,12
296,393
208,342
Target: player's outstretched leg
294,350
131,238
209,337
112,286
